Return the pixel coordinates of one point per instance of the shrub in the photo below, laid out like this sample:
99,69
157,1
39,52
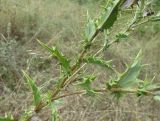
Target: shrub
72,74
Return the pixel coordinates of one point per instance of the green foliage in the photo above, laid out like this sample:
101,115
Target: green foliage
128,79
147,86
64,62
35,90
87,85
54,112
127,82
6,119
90,28
98,61
109,15
52,105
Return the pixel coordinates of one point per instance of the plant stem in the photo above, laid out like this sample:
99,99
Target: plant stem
69,94
148,92
79,65
141,23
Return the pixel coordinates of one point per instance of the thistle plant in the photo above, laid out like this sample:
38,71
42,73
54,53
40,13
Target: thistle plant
118,86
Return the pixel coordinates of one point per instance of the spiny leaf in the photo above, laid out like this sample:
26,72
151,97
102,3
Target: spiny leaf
98,61
90,28
128,79
35,90
86,84
64,62
146,85
109,15
130,76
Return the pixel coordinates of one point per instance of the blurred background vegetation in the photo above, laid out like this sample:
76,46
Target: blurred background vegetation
60,23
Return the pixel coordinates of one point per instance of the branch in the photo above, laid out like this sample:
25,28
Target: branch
69,94
148,92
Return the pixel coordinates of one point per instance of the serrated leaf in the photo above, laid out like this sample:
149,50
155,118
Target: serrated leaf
64,62
87,85
109,15
35,89
98,61
148,85
6,119
130,76
128,79
90,28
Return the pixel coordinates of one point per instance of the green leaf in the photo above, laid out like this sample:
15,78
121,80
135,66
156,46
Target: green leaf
54,113
52,105
87,84
98,61
121,36
109,15
64,62
146,85
127,80
35,89
6,119
90,28
130,77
